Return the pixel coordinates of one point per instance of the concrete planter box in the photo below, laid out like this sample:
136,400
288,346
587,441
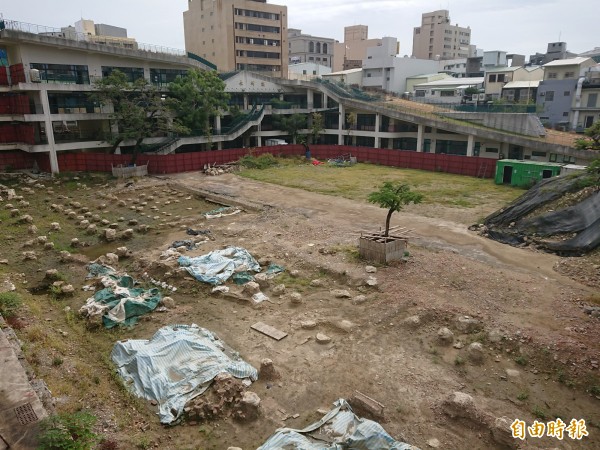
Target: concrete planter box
382,249
129,172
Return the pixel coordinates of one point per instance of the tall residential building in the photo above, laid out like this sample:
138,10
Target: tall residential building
238,34
351,53
436,38
307,48
555,51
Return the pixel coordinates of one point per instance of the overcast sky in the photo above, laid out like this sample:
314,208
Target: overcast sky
516,26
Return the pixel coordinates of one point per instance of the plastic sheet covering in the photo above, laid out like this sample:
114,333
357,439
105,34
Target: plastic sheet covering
339,429
218,266
512,224
222,212
119,303
176,365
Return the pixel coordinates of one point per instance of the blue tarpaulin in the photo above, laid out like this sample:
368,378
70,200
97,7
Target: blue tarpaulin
176,365
339,429
217,267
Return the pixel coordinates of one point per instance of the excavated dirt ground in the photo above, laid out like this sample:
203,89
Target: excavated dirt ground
529,318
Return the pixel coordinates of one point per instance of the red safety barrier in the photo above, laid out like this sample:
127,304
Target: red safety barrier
3,76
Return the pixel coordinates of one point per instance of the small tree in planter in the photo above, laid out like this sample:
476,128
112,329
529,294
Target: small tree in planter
383,247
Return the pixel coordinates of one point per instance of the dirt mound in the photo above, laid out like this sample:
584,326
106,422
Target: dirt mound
560,215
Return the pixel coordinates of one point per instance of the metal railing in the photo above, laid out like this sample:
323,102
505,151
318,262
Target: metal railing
43,30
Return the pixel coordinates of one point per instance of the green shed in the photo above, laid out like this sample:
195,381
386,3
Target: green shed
524,173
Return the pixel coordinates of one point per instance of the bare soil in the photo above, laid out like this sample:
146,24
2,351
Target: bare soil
530,318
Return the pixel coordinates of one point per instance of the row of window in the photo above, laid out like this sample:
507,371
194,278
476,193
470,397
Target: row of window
554,75
252,54
255,27
259,14
258,67
256,41
497,78
316,48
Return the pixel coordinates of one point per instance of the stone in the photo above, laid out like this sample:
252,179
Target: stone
341,293
51,274
143,228
250,405
501,433
123,252
168,302
296,298
251,288
371,281
412,321
4,262
84,223
55,226
370,269
127,234
461,405
323,338
110,234
268,371
67,289
346,326
26,219
49,246
263,280
317,283
279,289
91,229
111,259
29,256
105,222
234,448
32,229
75,242
495,336
433,443
365,406
114,226
468,325
308,324
15,213
359,299
132,222
513,374
475,353
42,239
294,273
445,336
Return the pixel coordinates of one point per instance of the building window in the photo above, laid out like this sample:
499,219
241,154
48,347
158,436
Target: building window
311,47
566,114
131,73
553,157
549,96
446,93
491,150
538,154
162,77
419,93
318,48
592,100
492,78
567,93
569,74
552,75
324,48
418,31
500,78
324,59
62,73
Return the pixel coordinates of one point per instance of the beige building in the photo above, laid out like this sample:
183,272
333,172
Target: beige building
351,53
304,48
436,38
238,34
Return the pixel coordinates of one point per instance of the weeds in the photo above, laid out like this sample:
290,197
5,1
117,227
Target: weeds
539,413
521,360
68,431
10,302
57,361
258,162
459,361
523,396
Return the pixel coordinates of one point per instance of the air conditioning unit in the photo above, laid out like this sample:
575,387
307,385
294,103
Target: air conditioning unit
34,76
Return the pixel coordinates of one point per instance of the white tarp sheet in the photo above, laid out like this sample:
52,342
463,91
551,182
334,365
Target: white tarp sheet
176,365
339,429
216,267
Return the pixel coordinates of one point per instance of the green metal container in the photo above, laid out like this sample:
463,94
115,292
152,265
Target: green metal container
524,173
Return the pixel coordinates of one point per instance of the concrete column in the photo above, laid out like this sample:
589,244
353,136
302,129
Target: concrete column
420,139
325,99
310,99
49,131
219,145
470,145
259,141
246,101
217,126
342,113
390,143
377,132
433,140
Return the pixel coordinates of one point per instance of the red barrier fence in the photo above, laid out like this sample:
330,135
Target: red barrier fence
187,162
14,104
17,74
20,132
3,76
24,160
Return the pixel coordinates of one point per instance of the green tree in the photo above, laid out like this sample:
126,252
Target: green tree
351,119
593,171
139,109
317,126
196,98
291,124
393,196
592,139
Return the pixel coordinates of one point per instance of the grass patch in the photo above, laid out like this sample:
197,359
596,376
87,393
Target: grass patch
521,360
10,302
357,181
523,396
539,413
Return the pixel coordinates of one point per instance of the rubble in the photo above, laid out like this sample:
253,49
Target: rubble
445,336
267,371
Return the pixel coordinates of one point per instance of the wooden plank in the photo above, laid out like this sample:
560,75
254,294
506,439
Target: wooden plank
268,330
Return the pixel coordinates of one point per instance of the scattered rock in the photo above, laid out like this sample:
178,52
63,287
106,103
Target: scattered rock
49,246
308,324
91,229
110,234
250,405
445,336
370,269
475,353
467,324
29,256
55,226
26,219
42,239
365,406
359,299
323,338
340,293
251,288
67,289
32,229
495,336
74,242
371,281
433,443
412,321
317,283
296,298
123,252
168,302
460,405
263,280
513,374
279,289
268,371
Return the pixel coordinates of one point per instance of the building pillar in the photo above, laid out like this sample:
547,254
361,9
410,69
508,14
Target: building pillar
49,131
470,145
310,99
420,140
433,141
259,141
325,100
246,101
217,126
342,114
377,132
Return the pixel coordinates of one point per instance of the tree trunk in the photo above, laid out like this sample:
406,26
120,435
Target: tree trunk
116,146
136,150
387,222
